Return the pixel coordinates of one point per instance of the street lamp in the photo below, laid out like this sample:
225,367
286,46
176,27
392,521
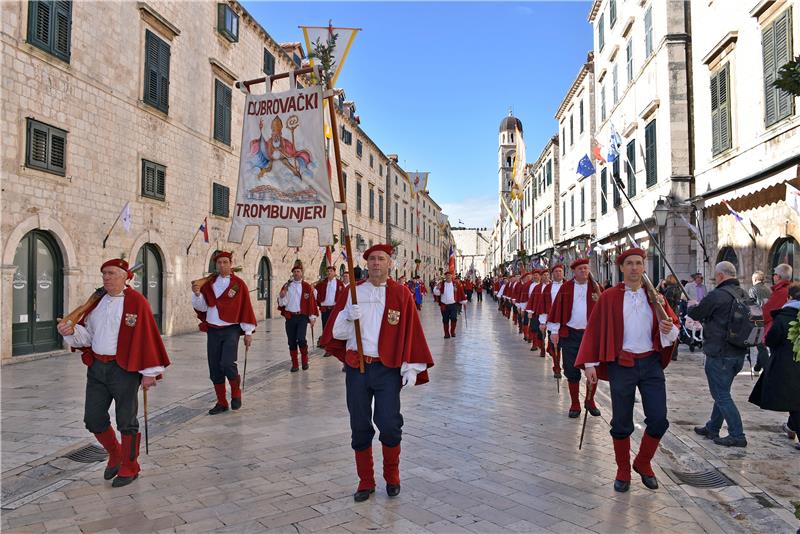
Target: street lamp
660,212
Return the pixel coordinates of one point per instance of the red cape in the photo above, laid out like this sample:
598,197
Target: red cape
233,306
139,344
561,311
322,290
533,298
546,299
602,341
458,292
779,297
308,304
399,343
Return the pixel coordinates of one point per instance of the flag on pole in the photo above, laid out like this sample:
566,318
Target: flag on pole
793,198
460,221
125,217
451,262
344,254
733,212
692,228
614,142
329,47
597,151
518,167
418,181
585,167
204,229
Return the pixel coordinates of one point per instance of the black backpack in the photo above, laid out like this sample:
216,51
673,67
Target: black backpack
746,320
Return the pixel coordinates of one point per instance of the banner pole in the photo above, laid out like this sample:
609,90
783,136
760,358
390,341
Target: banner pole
345,225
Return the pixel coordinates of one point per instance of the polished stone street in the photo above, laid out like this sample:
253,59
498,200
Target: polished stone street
487,447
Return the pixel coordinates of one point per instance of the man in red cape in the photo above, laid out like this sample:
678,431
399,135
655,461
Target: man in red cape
395,355
223,306
566,324
122,347
327,291
627,345
451,298
522,302
534,292
298,306
545,302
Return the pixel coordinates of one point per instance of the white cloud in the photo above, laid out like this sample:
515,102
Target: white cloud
474,211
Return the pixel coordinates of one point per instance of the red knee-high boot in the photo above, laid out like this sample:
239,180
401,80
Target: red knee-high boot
391,469
366,474
219,389
236,392
304,357
108,439
452,329
295,364
556,363
641,464
622,454
129,467
574,397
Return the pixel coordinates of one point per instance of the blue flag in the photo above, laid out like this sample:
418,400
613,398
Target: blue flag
614,142
585,167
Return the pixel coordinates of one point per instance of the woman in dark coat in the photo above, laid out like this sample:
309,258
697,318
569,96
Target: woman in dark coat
778,387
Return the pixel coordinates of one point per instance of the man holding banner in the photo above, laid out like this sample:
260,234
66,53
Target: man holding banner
395,354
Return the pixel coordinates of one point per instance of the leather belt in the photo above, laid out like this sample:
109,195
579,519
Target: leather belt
370,359
104,357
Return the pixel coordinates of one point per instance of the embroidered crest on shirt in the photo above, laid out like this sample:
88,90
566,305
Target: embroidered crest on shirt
393,316
595,296
232,291
305,295
130,319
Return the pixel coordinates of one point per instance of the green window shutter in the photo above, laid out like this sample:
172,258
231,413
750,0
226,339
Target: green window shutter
615,178
630,168
62,28
715,114
163,75
37,145
222,112
156,70
269,63
220,200
768,57
160,185
226,193
784,102
651,165
39,16
58,150
148,179
724,109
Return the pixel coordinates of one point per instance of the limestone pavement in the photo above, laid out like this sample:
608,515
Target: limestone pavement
487,447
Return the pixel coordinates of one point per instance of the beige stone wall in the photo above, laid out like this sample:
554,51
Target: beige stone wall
98,99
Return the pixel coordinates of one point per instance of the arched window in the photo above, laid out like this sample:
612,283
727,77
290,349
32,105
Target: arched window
149,281
785,251
37,294
728,254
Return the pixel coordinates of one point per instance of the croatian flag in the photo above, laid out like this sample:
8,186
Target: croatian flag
451,264
204,229
614,142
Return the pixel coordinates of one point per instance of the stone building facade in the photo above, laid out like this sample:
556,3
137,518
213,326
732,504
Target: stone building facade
144,112
746,135
471,246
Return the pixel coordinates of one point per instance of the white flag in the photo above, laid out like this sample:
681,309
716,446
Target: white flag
332,42
125,217
793,198
419,181
518,167
694,229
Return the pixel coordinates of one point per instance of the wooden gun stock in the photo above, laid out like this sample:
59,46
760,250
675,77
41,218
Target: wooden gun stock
595,285
206,279
77,314
653,297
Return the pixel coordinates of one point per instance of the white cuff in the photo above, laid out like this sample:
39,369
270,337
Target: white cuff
199,302
248,328
312,318
416,367
542,318
668,339
591,364
153,371
553,328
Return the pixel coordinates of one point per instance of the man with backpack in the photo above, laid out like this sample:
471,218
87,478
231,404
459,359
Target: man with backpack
725,323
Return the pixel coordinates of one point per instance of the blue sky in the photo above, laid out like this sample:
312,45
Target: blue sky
432,81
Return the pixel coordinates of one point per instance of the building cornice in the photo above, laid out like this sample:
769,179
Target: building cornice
586,68
594,10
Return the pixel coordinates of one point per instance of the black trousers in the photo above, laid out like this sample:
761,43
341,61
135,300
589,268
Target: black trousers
523,317
450,312
223,351
296,327
569,353
647,375
469,295
480,296
106,382
324,317
383,385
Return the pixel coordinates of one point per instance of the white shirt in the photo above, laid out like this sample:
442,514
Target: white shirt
579,319
330,293
500,291
371,302
212,314
553,292
294,292
102,330
638,323
448,293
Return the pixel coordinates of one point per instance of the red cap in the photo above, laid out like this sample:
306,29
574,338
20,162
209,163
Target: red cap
222,254
537,271
631,252
382,247
578,263
117,262
557,266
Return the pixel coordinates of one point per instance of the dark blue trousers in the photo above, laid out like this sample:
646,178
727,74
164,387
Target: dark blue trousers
383,385
223,347
296,327
107,381
569,353
647,375
450,312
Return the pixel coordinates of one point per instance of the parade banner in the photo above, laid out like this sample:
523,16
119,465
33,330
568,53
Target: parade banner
283,175
418,181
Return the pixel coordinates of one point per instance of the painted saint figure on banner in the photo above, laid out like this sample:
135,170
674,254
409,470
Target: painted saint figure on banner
278,148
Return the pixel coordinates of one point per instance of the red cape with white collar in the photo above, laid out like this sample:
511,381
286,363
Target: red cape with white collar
402,342
602,340
233,305
139,343
561,310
